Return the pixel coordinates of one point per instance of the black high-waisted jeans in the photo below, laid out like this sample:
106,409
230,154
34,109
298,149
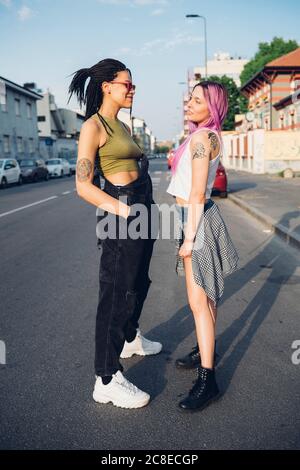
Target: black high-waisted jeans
123,276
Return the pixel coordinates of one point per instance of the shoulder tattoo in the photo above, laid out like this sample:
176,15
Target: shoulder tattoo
199,151
213,139
83,169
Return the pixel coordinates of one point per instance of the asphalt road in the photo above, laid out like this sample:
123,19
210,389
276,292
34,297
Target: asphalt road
49,290
272,195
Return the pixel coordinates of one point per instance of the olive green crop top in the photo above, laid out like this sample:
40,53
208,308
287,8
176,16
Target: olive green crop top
120,152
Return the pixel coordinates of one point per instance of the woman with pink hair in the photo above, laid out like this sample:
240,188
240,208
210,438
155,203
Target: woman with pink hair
205,251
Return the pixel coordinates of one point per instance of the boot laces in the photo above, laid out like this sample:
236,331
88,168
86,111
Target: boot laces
200,382
194,352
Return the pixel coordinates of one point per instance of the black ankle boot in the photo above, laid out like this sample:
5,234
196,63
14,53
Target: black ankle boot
204,391
193,359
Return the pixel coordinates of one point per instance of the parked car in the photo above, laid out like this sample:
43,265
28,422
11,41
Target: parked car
220,183
72,163
170,157
58,167
9,172
33,169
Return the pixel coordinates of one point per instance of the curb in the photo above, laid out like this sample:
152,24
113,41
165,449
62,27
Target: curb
285,234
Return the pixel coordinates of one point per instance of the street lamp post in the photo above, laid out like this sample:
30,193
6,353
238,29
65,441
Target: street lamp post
183,100
205,37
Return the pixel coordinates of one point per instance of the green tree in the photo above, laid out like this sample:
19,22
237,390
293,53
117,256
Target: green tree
161,149
266,53
237,102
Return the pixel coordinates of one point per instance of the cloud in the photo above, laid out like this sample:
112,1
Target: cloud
135,3
6,3
183,38
115,2
25,13
151,2
161,45
125,50
157,12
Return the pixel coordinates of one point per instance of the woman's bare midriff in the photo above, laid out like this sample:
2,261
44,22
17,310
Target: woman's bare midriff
123,177
183,202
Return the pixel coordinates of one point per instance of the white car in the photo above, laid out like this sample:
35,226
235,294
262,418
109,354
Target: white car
72,163
58,167
10,172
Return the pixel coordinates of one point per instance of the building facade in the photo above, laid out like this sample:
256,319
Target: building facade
260,151
59,129
19,136
267,138
143,135
274,94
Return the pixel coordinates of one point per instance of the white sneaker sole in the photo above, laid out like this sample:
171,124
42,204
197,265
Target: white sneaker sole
129,354
119,403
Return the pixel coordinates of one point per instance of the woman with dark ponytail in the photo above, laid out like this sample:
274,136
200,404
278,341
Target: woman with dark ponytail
124,260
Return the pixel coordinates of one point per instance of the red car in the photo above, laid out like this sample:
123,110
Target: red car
220,184
170,157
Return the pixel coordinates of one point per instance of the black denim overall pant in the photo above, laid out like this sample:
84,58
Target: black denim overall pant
123,275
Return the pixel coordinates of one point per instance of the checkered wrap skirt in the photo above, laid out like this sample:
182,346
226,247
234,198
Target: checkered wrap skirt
213,254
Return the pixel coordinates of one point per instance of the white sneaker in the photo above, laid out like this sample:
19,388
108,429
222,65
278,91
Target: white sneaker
140,346
120,392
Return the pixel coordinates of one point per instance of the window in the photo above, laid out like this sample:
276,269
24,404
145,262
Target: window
53,162
26,163
29,111
19,144
17,107
3,95
6,143
41,118
31,149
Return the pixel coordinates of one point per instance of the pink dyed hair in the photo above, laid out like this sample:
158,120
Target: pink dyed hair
216,97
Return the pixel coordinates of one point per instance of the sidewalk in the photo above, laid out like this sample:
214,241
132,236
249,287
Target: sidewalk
273,200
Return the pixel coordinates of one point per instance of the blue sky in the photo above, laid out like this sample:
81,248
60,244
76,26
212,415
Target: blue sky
46,40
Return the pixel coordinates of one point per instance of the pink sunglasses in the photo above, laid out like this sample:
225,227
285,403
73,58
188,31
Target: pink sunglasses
128,85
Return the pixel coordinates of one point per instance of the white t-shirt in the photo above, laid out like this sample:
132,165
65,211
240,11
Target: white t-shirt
181,181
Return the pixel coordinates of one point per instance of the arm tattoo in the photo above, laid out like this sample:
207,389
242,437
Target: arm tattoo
83,169
199,151
213,140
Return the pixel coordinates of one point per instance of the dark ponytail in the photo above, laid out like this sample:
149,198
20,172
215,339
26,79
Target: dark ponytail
104,71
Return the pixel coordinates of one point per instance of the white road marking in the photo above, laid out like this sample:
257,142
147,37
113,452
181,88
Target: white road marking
66,192
28,205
